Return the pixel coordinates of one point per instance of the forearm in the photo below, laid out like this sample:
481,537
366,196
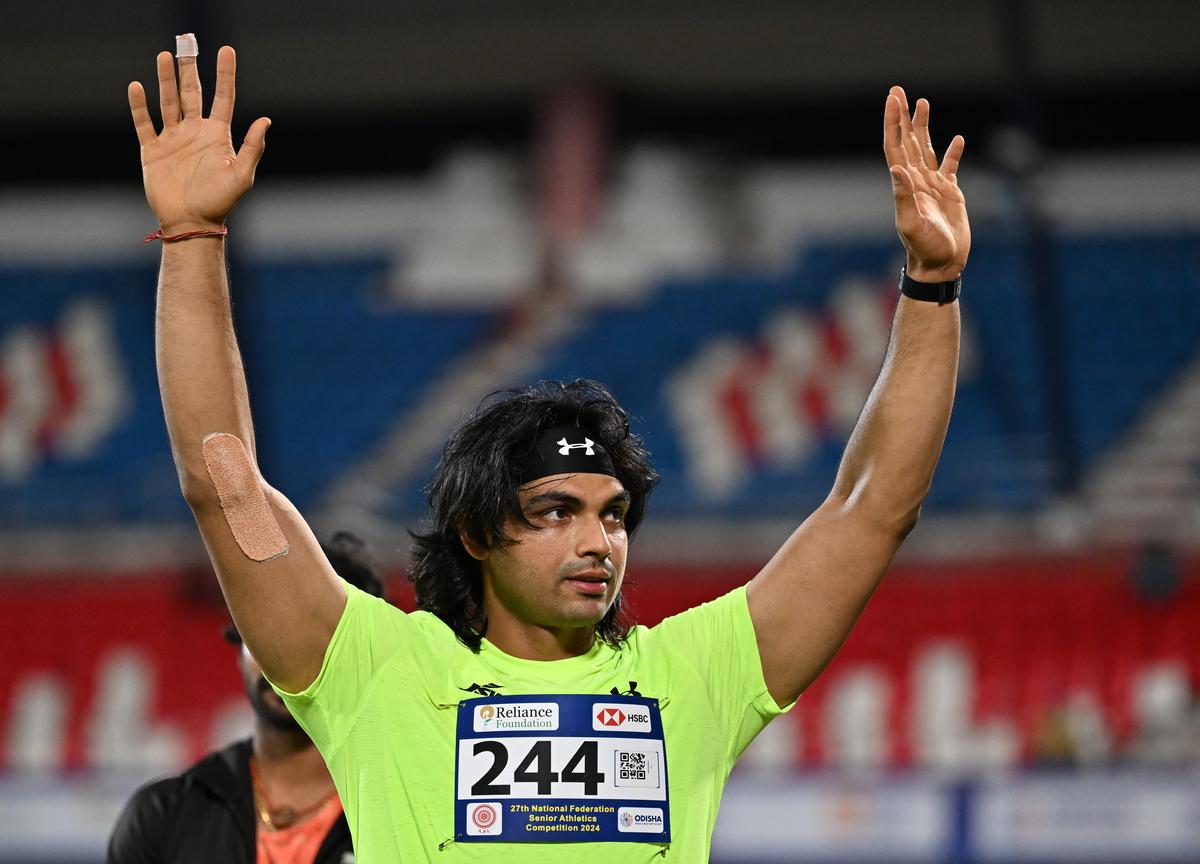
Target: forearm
890,458
200,373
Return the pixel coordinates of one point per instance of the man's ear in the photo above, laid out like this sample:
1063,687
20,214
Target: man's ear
479,553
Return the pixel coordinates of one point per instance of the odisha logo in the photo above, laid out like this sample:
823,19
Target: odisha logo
486,712
611,716
484,816
627,819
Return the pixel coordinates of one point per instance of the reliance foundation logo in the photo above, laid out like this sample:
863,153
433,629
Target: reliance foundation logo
516,716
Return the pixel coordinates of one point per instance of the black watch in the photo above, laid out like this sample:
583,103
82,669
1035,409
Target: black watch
931,292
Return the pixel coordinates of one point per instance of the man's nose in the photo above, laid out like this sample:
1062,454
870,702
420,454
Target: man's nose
593,539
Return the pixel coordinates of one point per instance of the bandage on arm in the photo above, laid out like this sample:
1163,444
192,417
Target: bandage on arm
240,491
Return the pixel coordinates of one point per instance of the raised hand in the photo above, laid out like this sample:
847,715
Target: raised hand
192,174
931,212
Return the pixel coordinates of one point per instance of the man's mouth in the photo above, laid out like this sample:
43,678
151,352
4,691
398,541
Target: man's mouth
594,582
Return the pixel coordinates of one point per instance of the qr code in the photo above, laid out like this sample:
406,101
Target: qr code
631,766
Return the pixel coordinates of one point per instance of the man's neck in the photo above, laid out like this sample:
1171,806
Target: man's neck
533,642
288,756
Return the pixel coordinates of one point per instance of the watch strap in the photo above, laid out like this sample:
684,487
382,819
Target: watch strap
930,292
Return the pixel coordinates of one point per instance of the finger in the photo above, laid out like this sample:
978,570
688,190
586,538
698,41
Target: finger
141,114
168,91
252,149
904,191
921,130
912,150
222,106
953,155
189,87
893,146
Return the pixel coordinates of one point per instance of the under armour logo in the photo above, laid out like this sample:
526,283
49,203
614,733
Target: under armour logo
632,691
564,448
483,689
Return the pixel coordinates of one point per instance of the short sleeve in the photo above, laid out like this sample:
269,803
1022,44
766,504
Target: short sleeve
721,645
368,635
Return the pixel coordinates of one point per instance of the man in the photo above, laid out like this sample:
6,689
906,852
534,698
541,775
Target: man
268,799
515,718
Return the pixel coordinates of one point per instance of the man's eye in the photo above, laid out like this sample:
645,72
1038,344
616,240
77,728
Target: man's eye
616,515
556,513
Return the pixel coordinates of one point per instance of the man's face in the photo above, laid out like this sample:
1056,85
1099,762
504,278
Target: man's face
265,701
565,572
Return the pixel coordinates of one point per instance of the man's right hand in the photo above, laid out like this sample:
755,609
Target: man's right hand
192,174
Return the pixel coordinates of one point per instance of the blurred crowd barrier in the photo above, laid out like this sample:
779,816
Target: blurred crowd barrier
961,669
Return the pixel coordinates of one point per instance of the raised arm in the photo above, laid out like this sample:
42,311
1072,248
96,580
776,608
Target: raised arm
808,596
283,595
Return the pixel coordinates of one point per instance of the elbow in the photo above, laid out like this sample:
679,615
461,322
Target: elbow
201,493
898,524
198,489
224,472
895,519
906,522
899,518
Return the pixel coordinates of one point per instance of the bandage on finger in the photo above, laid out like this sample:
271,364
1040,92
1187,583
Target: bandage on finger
247,511
186,46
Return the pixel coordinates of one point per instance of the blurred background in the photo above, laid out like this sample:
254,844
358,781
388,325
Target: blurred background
688,202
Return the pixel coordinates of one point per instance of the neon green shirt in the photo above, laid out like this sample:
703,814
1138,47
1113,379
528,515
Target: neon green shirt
383,708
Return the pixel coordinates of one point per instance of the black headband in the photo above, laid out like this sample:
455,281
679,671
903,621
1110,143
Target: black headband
564,450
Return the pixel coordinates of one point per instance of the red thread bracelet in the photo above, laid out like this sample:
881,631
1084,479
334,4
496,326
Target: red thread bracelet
186,235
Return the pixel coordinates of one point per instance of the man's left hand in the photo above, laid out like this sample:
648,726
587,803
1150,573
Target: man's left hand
931,212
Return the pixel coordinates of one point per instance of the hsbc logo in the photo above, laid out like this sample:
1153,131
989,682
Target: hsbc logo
588,445
611,716
627,718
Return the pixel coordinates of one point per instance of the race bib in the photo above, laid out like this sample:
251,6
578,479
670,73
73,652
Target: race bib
561,769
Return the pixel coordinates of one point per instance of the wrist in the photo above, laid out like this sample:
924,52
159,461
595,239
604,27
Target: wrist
941,293
218,233
172,229
919,272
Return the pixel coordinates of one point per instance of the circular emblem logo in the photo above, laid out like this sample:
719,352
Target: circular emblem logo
484,816
487,712
627,819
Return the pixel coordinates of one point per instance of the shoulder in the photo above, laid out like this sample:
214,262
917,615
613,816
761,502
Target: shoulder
144,823
157,811
728,610
157,797
436,633
222,769
219,771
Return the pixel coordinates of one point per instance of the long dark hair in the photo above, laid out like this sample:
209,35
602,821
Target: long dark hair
475,490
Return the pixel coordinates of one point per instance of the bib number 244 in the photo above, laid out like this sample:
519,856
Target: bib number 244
581,767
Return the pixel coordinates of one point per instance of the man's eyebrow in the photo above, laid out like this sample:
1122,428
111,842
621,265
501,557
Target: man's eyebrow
553,498
569,500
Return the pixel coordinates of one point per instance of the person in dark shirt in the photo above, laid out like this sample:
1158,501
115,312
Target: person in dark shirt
267,799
